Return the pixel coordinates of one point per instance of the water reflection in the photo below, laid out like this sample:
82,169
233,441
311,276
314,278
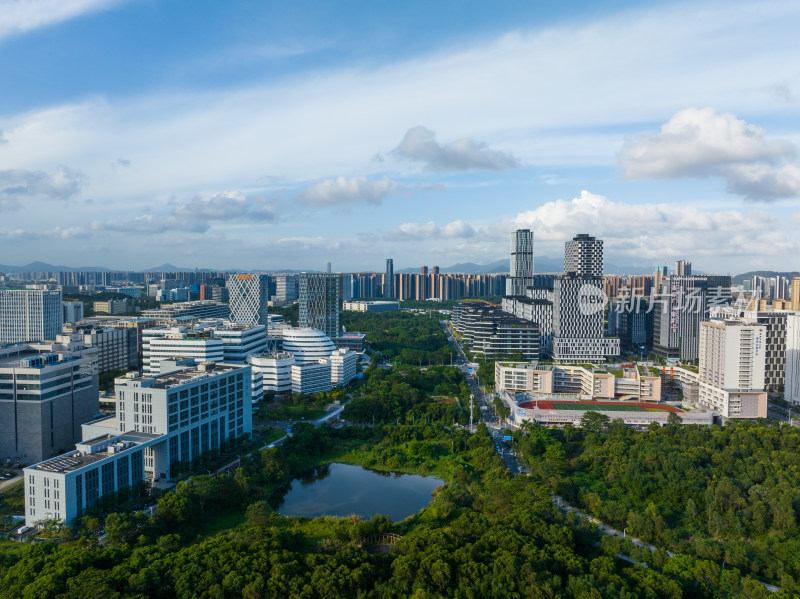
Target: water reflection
343,489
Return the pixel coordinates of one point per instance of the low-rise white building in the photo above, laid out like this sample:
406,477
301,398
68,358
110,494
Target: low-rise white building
343,366
62,487
579,381
163,344
307,344
276,370
312,377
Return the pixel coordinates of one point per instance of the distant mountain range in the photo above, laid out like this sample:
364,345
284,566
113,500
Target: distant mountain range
542,264
739,279
45,267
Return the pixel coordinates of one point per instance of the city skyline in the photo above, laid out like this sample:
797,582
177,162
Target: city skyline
265,137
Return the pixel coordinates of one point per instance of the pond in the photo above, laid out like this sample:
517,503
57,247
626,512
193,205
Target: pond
344,489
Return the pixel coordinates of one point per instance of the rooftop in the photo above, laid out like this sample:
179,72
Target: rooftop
181,377
95,450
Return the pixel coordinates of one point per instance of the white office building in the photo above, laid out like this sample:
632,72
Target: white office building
30,315
165,344
732,366
204,340
275,369
312,377
343,366
308,345
160,420
240,341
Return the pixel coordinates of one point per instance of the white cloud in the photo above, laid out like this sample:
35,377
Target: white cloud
19,184
430,230
701,143
650,231
150,224
19,16
419,143
343,190
224,206
195,215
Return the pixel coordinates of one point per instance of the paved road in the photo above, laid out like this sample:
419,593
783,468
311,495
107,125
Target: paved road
317,422
10,481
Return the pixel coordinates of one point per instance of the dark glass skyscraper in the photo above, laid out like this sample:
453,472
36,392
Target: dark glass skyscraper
388,280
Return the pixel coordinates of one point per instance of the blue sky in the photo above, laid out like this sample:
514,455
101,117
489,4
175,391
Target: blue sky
283,135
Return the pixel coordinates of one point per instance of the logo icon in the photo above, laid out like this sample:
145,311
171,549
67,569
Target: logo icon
591,300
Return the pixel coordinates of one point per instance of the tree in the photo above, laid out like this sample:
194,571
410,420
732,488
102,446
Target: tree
257,514
594,422
674,420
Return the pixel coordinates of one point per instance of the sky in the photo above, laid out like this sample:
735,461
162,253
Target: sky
277,135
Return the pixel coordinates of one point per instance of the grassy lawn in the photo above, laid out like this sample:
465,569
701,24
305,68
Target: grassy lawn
12,499
270,434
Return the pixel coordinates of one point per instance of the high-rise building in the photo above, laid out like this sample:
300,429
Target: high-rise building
658,276
286,288
249,298
388,279
321,302
520,274
792,377
795,294
328,268
30,315
685,303
569,310
583,256
732,369
683,268
48,391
